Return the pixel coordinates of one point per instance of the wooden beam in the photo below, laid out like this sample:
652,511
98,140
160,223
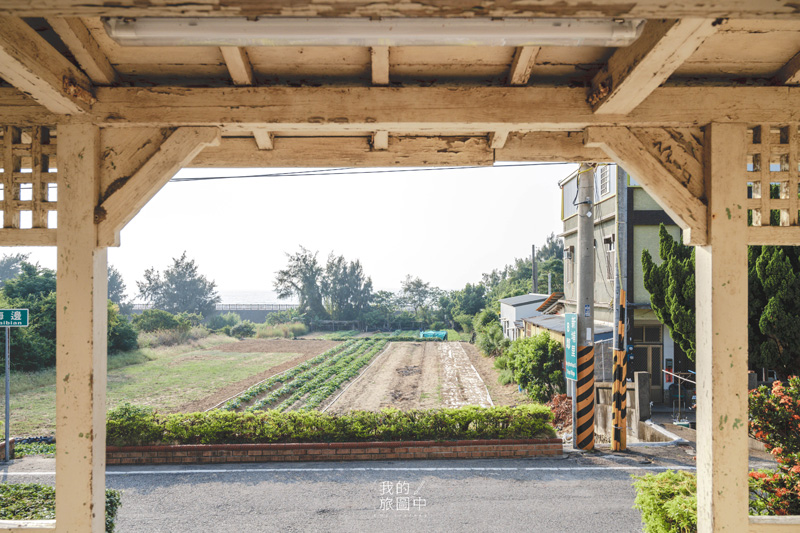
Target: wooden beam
790,72
438,110
239,66
348,152
688,211
380,65
121,205
649,9
32,65
555,146
264,139
27,237
497,139
522,65
82,45
635,71
380,140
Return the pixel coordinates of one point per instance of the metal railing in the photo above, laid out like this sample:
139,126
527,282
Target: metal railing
680,399
234,307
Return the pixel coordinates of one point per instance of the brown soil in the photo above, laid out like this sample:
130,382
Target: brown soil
306,348
405,376
501,394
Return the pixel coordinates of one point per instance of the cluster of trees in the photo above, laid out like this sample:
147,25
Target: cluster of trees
773,308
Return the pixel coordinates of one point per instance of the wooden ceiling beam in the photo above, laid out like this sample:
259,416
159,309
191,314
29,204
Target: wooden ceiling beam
549,146
438,110
522,65
33,66
380,65
790,73
239,66
82,45
265,140
635,71
648,9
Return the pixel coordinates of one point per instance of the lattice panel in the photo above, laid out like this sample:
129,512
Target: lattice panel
772,176
28,198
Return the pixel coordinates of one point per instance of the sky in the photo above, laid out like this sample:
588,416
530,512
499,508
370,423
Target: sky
445,226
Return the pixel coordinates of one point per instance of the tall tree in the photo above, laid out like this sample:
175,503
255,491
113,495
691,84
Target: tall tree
11,266
181,288
345,289
553,247
116,290
417,293
773,304
302,278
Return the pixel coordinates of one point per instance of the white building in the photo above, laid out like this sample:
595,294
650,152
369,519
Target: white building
514,309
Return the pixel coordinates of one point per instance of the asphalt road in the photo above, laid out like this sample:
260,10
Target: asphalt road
577,492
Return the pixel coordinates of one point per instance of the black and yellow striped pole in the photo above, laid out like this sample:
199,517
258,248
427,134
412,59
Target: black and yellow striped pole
620,387
584,402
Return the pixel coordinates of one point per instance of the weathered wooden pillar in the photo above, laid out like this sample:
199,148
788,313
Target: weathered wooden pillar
721,296
81,336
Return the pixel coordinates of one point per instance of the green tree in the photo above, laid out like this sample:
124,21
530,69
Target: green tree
302,278
417,293
773,305
536,365
116,291
11,266
345,289
181,288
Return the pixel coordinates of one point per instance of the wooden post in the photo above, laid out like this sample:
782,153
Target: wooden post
721,299
81,294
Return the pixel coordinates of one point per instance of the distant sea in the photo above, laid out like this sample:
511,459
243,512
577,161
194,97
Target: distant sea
253,297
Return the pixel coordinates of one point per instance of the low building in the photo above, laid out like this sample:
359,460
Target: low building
514,309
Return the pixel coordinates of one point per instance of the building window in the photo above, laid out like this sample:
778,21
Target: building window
605,181
569,264
610,254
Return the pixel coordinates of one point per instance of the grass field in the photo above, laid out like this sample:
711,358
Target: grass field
163,377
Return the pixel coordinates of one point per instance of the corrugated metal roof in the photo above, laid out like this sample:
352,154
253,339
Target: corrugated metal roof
524,299
556,323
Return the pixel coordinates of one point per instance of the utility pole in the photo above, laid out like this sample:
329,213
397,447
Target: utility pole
584,432
620,387
534,271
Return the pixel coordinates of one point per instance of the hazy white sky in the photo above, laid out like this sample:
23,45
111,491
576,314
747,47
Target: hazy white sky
445,226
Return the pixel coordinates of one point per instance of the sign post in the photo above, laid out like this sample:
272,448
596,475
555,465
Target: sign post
571,364
10,318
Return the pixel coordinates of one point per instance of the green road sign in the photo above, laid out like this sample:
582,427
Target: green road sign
571,345
13,318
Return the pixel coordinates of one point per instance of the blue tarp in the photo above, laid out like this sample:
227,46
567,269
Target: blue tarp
442,335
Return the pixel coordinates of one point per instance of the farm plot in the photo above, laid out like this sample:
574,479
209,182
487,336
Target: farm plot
413,375
308,385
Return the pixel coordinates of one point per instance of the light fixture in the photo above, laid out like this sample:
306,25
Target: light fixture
367,32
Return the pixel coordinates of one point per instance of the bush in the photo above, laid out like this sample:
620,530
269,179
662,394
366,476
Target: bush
219,322
32,501
465,322
491,341
536,364
129,425
156,319
668,501
171,337
243,329
121,335
282,317
287,331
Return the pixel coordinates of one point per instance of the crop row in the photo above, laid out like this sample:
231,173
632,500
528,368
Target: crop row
304,377
320,381
260,388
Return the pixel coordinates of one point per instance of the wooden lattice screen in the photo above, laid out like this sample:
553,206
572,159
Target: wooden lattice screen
28,198
772,175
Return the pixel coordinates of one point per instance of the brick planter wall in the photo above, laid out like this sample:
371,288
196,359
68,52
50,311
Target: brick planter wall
336,451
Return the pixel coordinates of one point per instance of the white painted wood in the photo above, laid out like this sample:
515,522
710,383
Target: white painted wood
522,65
559,146
27,526
774,524
31,64
123,204
238,64
721,302
380,140
635,71
497,139
84,48
264,139
27,237
81,351
380,65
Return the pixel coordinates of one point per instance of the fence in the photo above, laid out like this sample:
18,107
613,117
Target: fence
604,361
233,307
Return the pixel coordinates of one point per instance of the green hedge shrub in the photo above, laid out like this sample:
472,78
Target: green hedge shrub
536,365
130,425
668,501
32,501
156,320
243,329
218,322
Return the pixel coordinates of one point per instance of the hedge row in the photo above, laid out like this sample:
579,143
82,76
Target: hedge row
32,501
668,502
130,425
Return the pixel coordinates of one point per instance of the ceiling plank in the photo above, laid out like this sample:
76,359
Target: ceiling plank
790,73
348,152
635,71
549,146
82,45
380,65
438,110
522,65
649,9
239,66
32,65
127,199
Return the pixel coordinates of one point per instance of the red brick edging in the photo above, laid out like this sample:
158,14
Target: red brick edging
334,451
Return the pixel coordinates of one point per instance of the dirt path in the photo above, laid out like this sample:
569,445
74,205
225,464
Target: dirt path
461,383
306,349
405,376
501,394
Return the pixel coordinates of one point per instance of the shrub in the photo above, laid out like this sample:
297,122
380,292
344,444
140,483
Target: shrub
129,425
218,322
536,364
288,331
171,337
505,377
668,501
32,501
121,335
243,329
156,319
465,322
